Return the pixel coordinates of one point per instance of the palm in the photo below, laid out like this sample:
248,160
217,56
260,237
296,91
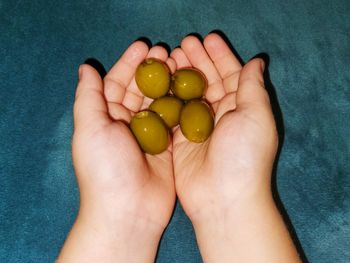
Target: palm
241,135
106,153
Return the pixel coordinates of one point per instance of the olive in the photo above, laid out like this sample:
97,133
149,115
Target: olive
150,131
196,121
168,108
153,78
188,83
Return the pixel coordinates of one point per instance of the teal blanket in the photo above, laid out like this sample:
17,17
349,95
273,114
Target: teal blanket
43,42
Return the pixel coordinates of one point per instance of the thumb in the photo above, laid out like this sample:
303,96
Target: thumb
251,89
90,107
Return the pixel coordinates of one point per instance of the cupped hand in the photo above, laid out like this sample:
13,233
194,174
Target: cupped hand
117,180
234,165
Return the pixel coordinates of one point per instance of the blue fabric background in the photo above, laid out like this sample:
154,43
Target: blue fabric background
43,42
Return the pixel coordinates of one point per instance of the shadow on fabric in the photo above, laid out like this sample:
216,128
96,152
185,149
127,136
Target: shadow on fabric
96,65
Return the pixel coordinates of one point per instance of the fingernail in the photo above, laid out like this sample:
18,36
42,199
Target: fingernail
80,72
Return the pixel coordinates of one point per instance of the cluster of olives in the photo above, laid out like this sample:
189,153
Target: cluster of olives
185,107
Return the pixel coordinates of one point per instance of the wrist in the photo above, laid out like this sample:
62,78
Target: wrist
223,209
97,237
127,230
228,215
122,222
251,231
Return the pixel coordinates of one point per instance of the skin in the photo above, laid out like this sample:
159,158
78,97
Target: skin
223,184
127,197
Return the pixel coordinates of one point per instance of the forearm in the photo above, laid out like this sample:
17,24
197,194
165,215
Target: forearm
96,240
249,232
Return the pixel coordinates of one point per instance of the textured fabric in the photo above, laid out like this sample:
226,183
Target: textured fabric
43,42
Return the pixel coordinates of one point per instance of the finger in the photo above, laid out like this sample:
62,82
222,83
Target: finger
171,64
158,52
90,106
224,60
215,105
251,89
231,82
122,73
227,65
133,100
227,104
199,58
146,102
180,58
118,112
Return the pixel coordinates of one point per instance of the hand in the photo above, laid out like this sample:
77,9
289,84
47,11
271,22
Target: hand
123,192
235,163
224,183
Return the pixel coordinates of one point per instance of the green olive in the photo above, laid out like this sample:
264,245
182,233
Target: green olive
168,108
150,131
153,78
188,83
196,121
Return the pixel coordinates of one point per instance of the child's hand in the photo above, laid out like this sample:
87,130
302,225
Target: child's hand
224,183
235,163
127,197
